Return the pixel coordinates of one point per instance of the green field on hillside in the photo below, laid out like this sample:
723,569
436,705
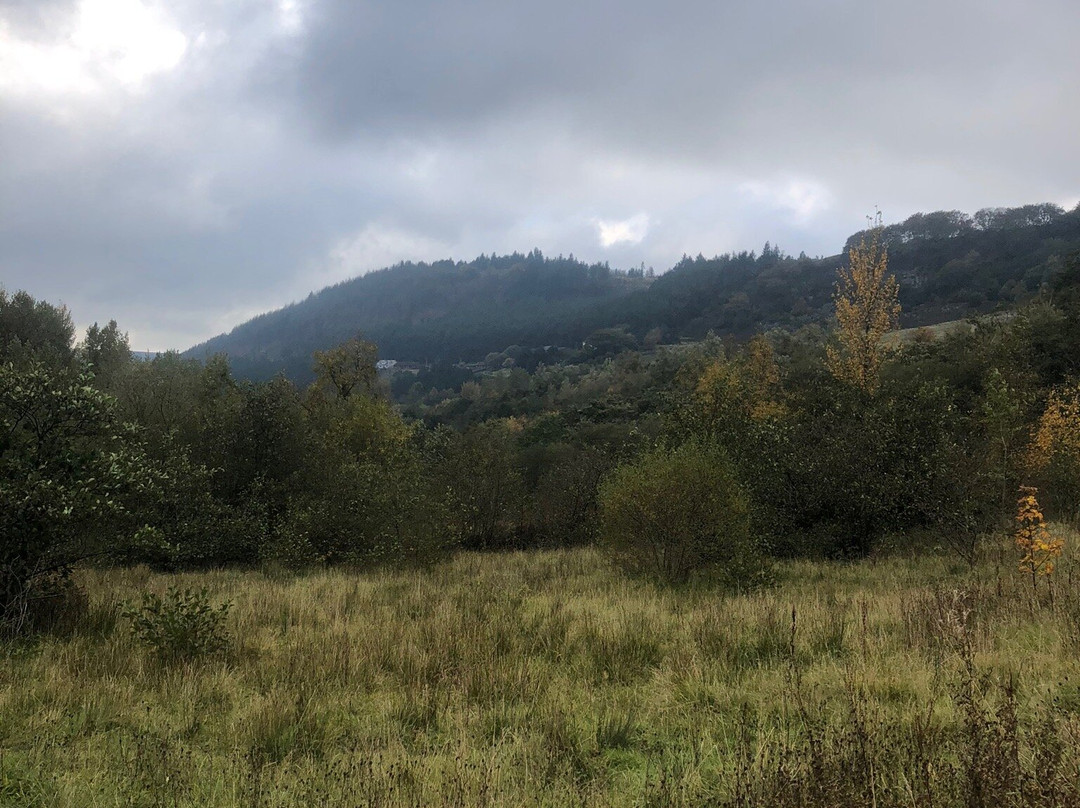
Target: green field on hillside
550,678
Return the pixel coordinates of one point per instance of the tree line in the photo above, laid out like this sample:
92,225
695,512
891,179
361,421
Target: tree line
710,458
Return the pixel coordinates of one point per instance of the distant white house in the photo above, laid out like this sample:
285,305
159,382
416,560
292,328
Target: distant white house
385,364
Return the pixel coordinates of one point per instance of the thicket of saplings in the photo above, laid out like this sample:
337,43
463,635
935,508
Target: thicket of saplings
705,472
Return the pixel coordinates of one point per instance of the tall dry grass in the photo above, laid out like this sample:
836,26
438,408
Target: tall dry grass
551,679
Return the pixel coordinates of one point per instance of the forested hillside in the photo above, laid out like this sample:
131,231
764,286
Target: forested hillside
439,311
950,265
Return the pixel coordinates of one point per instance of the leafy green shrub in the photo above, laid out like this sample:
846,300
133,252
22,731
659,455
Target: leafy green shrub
671,513
66,468
179,627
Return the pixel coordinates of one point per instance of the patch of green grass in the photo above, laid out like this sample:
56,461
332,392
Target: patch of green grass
551,679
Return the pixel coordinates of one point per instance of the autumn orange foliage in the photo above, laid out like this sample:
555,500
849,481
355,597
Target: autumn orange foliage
1059,428
1054,453
763,380
867,308
749,386
1033,539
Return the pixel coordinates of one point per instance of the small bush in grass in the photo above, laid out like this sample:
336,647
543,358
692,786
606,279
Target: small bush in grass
181,626
672,513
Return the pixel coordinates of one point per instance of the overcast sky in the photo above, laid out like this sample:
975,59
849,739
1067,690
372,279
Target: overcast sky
181,165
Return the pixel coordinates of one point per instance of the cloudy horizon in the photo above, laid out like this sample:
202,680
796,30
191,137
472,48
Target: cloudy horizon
182,166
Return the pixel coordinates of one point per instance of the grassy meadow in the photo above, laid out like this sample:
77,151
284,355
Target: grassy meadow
550,678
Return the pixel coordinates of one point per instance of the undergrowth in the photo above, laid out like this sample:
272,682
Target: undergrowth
551,679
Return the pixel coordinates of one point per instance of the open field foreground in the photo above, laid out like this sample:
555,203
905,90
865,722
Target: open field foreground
552,679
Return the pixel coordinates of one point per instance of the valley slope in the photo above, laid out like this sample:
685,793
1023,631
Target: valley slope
950,265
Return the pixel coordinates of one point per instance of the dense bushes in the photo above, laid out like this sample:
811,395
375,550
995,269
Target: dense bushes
564,481
672,513
66,468
363,493
859,468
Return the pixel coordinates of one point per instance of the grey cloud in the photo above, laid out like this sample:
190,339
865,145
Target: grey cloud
837,89
230,184
365,66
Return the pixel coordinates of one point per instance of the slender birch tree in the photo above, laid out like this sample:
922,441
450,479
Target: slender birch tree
867,308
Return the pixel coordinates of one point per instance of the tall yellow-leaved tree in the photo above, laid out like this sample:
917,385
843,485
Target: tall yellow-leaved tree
1054,455
867,307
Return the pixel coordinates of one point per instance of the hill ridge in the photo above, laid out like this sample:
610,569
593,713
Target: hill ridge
950,265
